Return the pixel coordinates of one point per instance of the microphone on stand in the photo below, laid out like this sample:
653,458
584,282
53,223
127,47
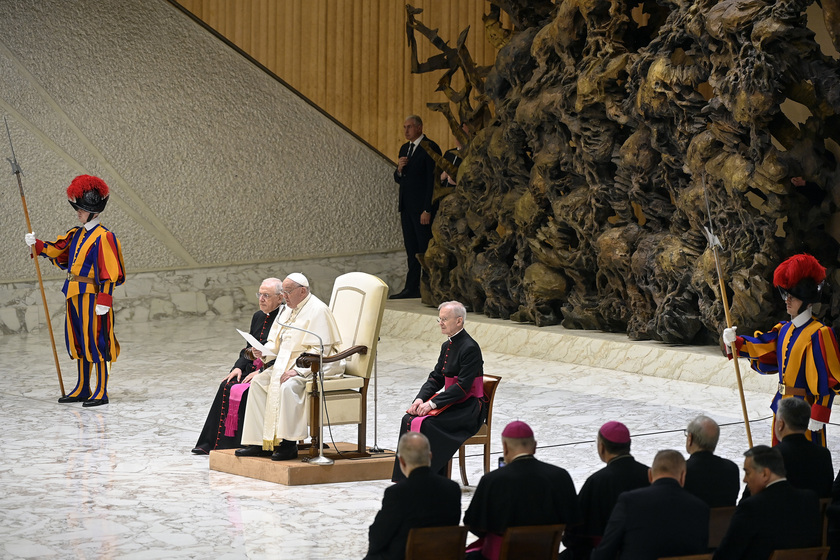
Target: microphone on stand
320,459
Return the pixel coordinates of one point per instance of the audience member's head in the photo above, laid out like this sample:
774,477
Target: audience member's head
517,439
451,317
792,417
613,441
702,434
270,294
668,463
762,465
295,289
413,451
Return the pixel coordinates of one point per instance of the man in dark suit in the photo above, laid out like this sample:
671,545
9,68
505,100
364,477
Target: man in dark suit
415,175
807,464
523,492
776,515
424,499
713,479
661,520
601,490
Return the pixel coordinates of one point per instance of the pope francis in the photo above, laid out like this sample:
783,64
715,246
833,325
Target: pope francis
275,416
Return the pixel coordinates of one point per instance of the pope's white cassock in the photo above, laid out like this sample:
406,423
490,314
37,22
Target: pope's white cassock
276,412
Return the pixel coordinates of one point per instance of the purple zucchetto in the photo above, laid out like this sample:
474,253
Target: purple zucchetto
615,432
518,430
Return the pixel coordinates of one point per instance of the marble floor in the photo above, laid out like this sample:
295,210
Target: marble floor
118,481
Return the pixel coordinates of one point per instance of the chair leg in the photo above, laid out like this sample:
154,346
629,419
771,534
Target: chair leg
449,469
486,457
461,464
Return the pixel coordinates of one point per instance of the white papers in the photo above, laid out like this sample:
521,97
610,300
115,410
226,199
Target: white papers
256,344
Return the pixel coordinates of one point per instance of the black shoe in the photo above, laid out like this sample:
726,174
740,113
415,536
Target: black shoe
95,402
406,294
64,400
285,451
252,451
200,451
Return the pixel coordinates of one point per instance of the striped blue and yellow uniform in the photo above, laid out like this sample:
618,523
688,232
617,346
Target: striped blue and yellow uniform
94,264
807,360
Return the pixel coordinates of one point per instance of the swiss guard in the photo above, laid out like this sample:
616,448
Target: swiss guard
803,351
92,257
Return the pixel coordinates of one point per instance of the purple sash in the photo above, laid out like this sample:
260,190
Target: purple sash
477,390
235,399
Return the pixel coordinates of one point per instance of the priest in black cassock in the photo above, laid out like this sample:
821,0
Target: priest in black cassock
221,429
451,416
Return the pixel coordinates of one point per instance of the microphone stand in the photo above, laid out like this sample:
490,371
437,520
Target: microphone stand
320,459
375,448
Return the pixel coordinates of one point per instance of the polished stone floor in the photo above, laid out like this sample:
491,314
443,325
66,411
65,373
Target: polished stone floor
118,481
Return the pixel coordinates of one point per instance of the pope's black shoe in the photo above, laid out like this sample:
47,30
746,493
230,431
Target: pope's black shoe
95,402
252,451
64,400
285,451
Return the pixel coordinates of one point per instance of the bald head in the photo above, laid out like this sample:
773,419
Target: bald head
668,463
413,451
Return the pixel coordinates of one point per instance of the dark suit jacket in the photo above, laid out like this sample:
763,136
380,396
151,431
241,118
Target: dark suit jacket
713,479
660,520
417,181
597,500
780,516
424,499
807,464
525,492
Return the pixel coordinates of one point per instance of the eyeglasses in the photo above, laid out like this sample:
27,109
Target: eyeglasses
784,293
442,320
261,295
685,433
288,292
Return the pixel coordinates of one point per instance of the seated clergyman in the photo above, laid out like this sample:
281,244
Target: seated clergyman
223,427
275,416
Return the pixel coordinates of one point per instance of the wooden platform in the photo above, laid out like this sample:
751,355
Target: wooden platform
297,473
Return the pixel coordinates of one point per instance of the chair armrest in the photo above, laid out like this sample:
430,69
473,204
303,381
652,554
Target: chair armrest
311,360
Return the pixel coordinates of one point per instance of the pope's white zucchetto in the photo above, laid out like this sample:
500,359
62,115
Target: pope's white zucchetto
298,279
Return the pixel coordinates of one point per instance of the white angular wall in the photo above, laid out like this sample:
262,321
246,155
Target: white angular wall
212,162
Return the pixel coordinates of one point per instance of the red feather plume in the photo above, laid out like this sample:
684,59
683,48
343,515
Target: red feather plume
85,183
791,271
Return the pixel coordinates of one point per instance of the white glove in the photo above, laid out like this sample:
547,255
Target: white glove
30,239
102,309
729,337
815,425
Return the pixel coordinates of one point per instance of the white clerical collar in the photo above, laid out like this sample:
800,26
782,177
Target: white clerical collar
456,334
802,318
417,142
92,223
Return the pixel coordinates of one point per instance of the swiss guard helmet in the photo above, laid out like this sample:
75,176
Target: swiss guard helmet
801,276
88,193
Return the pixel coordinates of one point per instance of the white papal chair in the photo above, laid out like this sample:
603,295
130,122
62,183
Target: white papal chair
357,303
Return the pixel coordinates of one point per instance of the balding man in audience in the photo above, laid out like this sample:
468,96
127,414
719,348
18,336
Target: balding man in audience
525,491
424,499
661,520
776,515
807,465
601,490
713,479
